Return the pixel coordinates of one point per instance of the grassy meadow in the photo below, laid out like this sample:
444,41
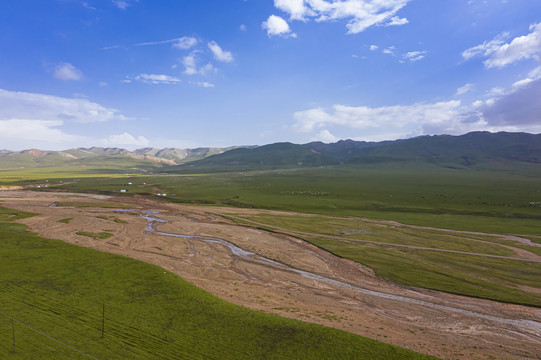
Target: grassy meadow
58,300
460,199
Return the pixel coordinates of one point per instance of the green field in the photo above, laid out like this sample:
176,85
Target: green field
493,202
58,298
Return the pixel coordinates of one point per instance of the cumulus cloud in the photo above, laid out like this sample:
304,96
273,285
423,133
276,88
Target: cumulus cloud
517,109
295,8
363,117
397,21
125,139
66,71
325,136
219,53
360,14
32,106
276,26
157,79
373,47
499,53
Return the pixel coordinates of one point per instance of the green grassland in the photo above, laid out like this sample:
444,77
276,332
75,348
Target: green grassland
493,202
58,298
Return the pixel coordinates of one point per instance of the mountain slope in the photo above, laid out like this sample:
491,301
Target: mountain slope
472,150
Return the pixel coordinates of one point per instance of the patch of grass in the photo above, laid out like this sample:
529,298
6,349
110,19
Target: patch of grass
65,221
57,291
120,221
100,235
487,201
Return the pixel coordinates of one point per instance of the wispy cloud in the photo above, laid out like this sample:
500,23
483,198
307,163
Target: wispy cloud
190,63
204,84
413,56
185,42
66,71
157,79
36,120
464,89
123,4
219,53
34,106
499,53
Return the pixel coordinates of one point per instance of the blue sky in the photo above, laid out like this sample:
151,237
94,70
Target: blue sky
179,73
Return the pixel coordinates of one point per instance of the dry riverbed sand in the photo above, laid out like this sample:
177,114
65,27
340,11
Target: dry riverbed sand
289,277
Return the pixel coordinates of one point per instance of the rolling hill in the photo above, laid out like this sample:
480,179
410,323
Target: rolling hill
476,150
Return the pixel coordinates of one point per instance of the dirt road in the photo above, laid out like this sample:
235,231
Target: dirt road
289,277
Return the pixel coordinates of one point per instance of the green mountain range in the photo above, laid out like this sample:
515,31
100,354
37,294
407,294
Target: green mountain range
476,150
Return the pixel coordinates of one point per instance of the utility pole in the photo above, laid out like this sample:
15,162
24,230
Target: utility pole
103,321
13,327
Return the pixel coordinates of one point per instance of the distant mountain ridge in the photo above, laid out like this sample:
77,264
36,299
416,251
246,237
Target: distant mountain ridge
475,149
470,150
89,156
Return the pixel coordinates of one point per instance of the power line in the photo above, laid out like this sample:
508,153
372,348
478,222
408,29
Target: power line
50,337
121,324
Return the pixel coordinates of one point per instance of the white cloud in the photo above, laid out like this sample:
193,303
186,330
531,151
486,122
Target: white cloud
325,136
276,26
498,53
464,89
363,117
516,108
373,47
125,139
360,14
295,8
242,27
396,21
191,67
219,54
183,43
389,51
19,134
414,55
204,84
33,106
157,79
121,4
66,71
